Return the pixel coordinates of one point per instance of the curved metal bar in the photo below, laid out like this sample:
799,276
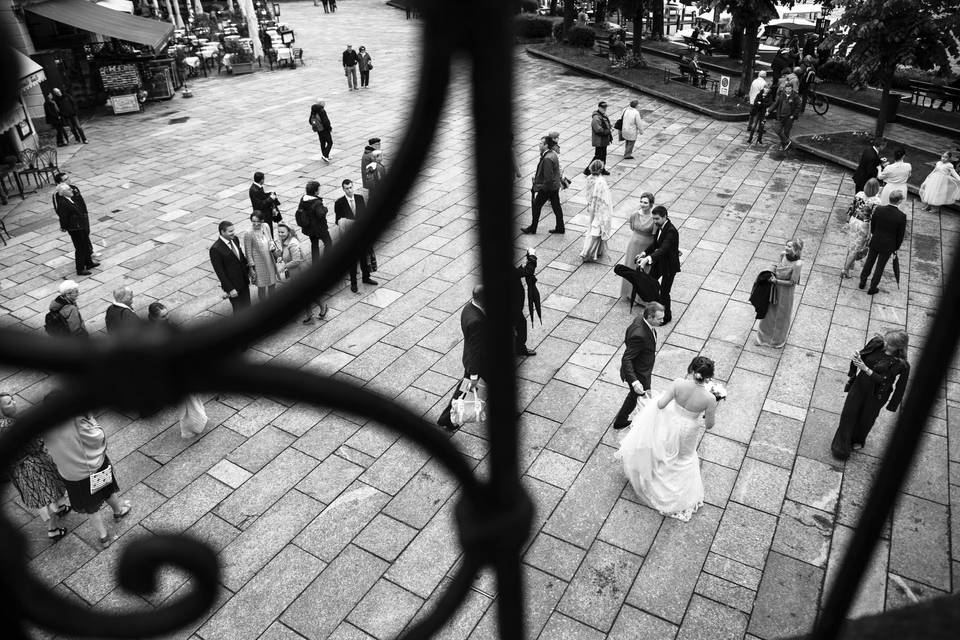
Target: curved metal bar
455,594
935,359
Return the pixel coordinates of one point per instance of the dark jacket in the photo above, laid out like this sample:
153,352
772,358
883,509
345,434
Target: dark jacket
319,114
600,129
72,212
762,293
641,351
51,113
260,200
547,177
867,168
68,106
315,217
785,107
71,313
365,159
350,57
121,319
665,250
885,372
887,228
341,209
232,272
473,324
523,273
761,103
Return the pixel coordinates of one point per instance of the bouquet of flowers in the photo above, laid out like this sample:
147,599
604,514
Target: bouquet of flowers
717,389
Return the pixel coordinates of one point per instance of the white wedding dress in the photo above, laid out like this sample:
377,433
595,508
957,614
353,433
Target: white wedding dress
660,459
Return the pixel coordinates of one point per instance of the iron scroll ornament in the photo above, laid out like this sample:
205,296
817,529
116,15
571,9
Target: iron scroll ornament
154,369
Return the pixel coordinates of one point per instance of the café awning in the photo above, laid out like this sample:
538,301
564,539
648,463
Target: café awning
96,19
30,74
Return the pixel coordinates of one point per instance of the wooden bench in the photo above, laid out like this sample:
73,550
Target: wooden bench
933,92
698,45
691,75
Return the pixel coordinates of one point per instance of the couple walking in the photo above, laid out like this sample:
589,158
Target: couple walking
659,453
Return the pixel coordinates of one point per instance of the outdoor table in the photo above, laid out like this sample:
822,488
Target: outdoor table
192,61
284,54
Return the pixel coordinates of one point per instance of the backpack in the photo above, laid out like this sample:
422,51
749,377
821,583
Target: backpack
301,216
55,324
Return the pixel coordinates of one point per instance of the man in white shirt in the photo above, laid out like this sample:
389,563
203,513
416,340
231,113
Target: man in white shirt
347,208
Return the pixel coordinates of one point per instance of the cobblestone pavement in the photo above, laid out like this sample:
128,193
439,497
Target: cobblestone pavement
329,527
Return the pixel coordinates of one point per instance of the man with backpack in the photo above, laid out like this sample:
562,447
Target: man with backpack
63,318
311,217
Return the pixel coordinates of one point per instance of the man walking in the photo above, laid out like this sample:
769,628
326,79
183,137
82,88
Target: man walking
51,113
63,317
120,316
636,366
546,186
601,137
69,114
74,219
320,123
231,268
263,201
350,61
348,208
663,257
473,323
887,229
785,109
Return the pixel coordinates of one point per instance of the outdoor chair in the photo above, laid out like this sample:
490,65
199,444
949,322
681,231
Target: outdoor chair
28,166
298,56
47,161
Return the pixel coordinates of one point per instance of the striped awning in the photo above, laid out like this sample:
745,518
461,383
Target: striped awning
30,73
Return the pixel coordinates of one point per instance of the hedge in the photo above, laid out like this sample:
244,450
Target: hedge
533,26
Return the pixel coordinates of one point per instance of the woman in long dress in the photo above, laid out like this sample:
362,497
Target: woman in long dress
774,327
600,210
642,230
895,176
35,476
942,186
659,453
873,371
858,225
259,249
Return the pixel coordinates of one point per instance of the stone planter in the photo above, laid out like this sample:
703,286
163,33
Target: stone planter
241,68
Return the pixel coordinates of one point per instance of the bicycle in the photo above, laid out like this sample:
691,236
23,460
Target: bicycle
818,101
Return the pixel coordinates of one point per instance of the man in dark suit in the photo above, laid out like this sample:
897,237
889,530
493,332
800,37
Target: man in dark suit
231,268
74,219
636,366
473,322
351,206
868,167
663,257
887,228
120,316
263,201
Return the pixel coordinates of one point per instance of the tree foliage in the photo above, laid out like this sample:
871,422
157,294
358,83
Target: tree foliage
747,16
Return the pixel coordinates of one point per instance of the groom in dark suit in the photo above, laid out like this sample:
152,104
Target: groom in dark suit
231,268
888,225
351,206
663,257
636,366
867,168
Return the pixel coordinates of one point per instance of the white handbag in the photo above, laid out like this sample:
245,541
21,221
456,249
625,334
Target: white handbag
468,409
101,479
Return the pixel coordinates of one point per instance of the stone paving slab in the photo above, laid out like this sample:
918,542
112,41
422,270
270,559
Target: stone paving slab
329,525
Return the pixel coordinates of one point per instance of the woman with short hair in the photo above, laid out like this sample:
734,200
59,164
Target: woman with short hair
260,251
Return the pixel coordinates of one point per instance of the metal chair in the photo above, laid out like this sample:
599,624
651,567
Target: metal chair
28,166
298,56
47,162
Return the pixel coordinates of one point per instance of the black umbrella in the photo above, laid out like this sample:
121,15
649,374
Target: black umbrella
896,268
533,298
644,285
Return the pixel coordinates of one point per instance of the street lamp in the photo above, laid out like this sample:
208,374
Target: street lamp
276,9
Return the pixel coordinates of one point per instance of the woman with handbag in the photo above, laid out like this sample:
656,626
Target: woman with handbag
874,371
858,224
600,212
261,254
79,449
364,64
293,262
35,476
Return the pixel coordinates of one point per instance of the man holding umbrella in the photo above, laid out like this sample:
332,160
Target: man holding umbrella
887,228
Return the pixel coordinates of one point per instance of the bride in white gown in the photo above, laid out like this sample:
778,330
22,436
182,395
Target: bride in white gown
659,453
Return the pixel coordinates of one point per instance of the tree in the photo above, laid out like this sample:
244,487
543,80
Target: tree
569,14
656,27
637,9
748,15
883,34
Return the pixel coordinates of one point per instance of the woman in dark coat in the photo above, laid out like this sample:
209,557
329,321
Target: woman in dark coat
873,372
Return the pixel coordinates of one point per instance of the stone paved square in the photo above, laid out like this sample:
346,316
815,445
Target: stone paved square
330,526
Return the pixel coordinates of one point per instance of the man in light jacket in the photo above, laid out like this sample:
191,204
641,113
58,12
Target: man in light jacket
546,186
631,129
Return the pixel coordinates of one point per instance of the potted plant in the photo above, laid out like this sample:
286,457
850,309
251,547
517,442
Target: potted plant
241,59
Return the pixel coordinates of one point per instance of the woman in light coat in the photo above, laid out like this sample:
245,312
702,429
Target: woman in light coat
632,128
600,210
294,263
895,176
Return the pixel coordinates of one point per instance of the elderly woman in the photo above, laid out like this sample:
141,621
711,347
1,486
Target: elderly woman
79,449
775,326
294,263
35,476
260,251
873,371
858,225
895,176
600,210
642,228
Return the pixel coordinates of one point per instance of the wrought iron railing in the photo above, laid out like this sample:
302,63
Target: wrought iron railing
494,517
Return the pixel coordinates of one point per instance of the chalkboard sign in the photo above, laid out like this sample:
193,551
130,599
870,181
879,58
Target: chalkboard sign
125,104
